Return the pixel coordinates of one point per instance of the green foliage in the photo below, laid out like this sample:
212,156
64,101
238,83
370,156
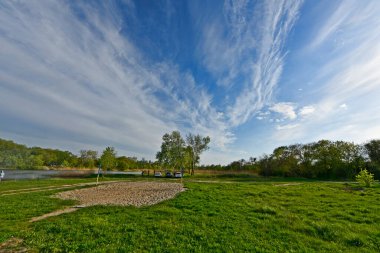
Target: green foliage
175,153
125,163
88,158
373,150
108,159
18,156
172,150
365,178
196,145
323,160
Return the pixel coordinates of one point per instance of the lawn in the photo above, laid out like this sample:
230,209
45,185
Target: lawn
220,215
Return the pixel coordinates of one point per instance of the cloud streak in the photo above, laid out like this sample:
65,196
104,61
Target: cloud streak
348,80
69,69
80,72
250,57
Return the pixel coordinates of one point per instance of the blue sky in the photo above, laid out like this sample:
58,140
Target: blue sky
252,75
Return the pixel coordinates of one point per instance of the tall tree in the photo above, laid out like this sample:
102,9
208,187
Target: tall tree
108,159
198,144
373,150
88,158
172,150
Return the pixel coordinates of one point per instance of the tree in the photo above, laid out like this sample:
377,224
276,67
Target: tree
124,163
172,150
187,158
108,158
198,144
365,178
88,158
373,150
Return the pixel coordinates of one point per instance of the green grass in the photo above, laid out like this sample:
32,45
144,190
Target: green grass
22,184
208,217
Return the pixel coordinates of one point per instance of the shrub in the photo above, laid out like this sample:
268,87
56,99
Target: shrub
365,178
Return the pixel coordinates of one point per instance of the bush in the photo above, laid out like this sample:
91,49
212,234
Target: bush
365,178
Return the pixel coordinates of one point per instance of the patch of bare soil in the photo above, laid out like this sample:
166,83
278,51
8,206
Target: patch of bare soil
49,188
124,193
289,184
55,213
120,193
12,245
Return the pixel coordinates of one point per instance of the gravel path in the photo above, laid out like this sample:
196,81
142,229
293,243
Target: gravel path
124,193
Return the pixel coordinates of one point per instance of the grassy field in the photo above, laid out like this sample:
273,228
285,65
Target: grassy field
217,215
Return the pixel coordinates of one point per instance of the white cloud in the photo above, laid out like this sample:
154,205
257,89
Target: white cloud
286,127
248,57
307,110
286,110
343,106
349,76
266,113
343,24
332,24
81,80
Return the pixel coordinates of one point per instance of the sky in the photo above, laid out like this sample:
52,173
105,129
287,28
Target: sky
252,75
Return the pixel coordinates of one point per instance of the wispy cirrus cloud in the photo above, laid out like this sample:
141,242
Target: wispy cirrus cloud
67,69
286,110
247,59
348,80
99,74
307,110
72,71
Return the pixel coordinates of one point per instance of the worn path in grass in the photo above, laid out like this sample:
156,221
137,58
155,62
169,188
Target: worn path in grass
50,188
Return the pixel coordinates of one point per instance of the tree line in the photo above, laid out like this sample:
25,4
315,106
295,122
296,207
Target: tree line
17,156
323,160
176,154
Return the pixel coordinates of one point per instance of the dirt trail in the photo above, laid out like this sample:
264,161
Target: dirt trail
55,213
288,184
50,188
13,245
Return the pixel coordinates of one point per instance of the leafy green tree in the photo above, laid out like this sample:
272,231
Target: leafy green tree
197,144
373,150
126,163
88,158
172,150
108,159
36,161
187,158
365,178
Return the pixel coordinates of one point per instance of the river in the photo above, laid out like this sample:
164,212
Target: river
40,174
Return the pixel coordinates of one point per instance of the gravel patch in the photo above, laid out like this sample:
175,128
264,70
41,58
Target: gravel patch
124,194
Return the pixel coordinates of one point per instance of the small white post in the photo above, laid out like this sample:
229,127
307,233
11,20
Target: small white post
97,178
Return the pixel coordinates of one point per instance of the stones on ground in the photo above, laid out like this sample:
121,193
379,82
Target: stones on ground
124,194
121,194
